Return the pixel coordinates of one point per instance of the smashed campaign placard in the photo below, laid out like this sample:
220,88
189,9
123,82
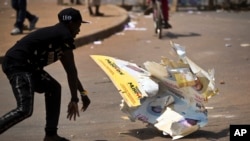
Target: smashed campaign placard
169,95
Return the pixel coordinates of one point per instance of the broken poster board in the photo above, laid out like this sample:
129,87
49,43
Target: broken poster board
170,95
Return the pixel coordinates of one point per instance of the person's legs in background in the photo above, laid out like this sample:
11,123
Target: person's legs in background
20,7
165,12
97,8
96,4
32,20
78,2
89,4
21,14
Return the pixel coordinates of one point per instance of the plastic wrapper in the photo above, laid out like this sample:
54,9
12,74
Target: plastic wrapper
170,95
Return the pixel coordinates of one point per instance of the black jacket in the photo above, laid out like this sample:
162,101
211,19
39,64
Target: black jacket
38,49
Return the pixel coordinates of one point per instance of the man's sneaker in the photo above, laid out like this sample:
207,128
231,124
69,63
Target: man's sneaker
16,31
55,138
33,23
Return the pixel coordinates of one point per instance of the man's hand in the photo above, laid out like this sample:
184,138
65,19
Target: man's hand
85,102
73,110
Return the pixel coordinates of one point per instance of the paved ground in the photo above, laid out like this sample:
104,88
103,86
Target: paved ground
212,39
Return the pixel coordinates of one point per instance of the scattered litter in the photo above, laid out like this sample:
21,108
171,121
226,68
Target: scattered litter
228,45
136,29
125,117
193,12
223,116
245,45
97,42
222,82
5,3
209,108
120,33
72,136
132,26
190,12
148,41
219,11
199,12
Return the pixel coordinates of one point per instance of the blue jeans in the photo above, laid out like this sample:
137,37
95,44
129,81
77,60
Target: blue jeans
21,12
24,84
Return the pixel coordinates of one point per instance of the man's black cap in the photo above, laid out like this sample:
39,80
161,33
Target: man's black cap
70,15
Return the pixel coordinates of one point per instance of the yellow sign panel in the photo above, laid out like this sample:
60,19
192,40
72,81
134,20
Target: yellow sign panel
124,82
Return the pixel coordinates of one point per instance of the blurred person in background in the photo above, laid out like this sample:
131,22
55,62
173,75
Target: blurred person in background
77,2
96,4
22,13
165,11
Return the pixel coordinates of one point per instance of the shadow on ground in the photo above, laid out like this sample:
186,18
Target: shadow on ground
150,133
172,35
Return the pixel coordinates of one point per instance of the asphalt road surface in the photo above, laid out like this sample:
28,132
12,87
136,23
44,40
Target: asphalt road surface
212,39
